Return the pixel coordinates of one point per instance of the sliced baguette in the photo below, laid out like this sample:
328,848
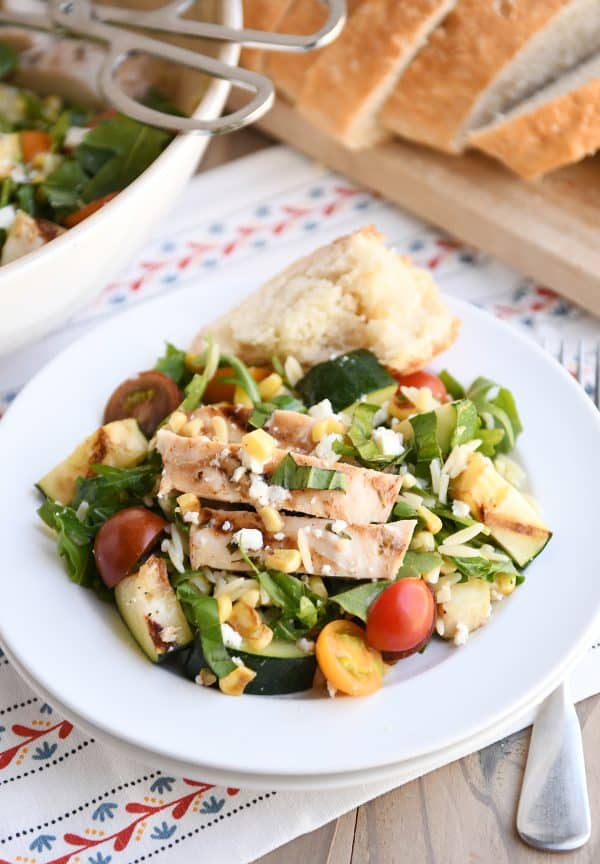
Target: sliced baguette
486,57
261,15
346,86
352,293
557,126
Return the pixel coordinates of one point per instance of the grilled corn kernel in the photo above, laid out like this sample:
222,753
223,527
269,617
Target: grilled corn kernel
240,397
236,682
328,426
506,583
192,428
432,522
251,598
270,386
261,640
271,519
205,677
245,619
259,445
188,503
225,607
317,586
176,421
285,560
423,541
220,430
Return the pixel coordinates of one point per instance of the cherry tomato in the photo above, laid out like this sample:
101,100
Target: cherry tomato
400,621
33,142
149,398
219,392
78,216
122,541
424,379
346,661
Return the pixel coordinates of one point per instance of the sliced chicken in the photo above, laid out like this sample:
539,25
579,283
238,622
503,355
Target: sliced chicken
216,472
291,430
327,548
27,234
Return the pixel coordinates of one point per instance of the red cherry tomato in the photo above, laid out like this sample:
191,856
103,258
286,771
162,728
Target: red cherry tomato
401,619
424,379
122,541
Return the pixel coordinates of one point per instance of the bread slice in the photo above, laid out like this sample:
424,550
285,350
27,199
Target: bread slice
486,57
261,15
353,293
287,70
346,86
557,126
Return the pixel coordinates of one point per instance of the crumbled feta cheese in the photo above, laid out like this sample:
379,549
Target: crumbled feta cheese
306,645
382,415
191,517
251,463
421,397
205,678
408,480
460,508
238,474
231,638
7,216
326,570
338,526
495,595
331,689
19,174
279,536
461,634
444,595
293,370
458,459
238,661
74,136
389,442
321,410
433,576
324,449
226,526
249,539
259,490
277,495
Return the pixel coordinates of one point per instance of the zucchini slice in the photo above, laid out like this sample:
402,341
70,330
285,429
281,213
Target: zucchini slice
151,610
280,668
345,379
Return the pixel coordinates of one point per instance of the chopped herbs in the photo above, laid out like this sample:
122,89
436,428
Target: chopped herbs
290,475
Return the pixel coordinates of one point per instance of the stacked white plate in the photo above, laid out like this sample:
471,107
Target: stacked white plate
77,653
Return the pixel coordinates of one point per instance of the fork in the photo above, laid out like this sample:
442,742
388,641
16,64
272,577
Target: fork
554,809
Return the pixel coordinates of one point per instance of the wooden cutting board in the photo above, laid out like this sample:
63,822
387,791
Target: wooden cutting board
549,229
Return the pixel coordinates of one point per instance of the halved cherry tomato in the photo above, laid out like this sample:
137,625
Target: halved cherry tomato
424,379
149,398
218,392
346,661
400,621
100,116
34,141
122,541
78,216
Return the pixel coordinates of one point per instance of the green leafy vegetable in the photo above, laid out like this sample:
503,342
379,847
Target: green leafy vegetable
357,600
490,441
172,363
263,410
402,510
202,613
344,379
481,568
290,475
453,387
425,437
63,187
26,199
9,59
241,376
59,129
417,564
496,405
74,540
467,423
360,434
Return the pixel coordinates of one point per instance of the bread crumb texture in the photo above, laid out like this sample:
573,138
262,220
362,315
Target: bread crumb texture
352,293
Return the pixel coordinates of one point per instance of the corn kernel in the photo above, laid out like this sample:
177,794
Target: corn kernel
328,426
432,522
240,397
259,642
270,386
423,541
259,445
251,598
176,421
236,682
220,430
271,519
285,560
317,586
245,619
192,428
506,583
188,503
205,677
225,607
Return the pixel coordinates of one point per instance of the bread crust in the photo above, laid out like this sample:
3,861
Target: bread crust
437,93
261,15
345,87
558,132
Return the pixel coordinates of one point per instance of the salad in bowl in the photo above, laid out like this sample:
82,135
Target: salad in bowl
267,522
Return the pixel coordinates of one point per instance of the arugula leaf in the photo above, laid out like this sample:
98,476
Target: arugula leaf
202,613
467,423
9,59
481,568
92,159
284,590
26,199
74,540
454,388
357,600
417,564
63,187
263,410
290,475
490,441
194,390
301,609
425,437
172,363
498,403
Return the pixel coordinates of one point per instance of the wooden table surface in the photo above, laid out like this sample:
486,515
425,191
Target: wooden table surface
461,814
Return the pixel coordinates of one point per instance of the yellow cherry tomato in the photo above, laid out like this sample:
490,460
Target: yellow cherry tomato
347,661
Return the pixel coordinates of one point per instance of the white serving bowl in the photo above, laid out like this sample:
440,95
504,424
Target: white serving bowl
41,289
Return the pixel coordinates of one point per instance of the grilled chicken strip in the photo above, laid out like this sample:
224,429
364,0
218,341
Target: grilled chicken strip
327,549
291,430
214,471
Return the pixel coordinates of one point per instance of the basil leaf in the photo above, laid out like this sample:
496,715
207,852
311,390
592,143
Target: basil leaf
290,475
454,388
285,591
92,159
357,600
202,613
425,437
467,423
172,363
481,568
9,59
402,510
63,187
417,564
263,410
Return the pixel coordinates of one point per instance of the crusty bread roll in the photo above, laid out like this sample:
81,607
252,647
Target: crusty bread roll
352,293
345,88
261,15
485,57
557,126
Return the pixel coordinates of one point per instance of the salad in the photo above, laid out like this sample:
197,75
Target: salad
267,529
59,163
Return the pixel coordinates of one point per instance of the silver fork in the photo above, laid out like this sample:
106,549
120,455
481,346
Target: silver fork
554,808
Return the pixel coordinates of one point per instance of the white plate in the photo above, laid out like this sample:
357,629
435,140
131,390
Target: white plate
78,650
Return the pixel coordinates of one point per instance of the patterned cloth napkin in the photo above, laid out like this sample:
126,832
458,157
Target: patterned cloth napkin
63,796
